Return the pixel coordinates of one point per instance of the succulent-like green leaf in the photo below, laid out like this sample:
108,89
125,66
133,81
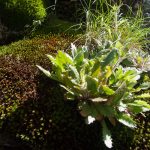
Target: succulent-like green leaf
108,90
142,103
119,94
132,75
145,85
106,135
92,84
122,107
138,106
47,73
67,89
119,73
126,120
104,109
127,62
88,109
79,58
95,71
112,79
73,72
58,75
69,96
135,109
56,63
109,58
108,71
52,59
62,59
118,45
145,95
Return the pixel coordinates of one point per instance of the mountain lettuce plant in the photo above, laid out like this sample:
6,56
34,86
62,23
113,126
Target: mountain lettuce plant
103,87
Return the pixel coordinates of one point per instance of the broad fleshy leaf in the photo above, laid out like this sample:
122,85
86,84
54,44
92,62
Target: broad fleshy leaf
47,73
122,107
88,109
96,69
74,72
62,59
119,73
78,59
67,89
126,120
92,84
108,71
139,106
106,135
142,103
70,96
119,94
109,58
108,90
145,86
145,95
104,109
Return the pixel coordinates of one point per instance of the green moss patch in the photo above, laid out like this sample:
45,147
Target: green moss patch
34,50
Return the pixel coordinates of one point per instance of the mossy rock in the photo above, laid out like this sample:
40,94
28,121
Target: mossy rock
17,13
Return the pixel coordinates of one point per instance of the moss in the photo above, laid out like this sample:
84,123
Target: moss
141,138
34,50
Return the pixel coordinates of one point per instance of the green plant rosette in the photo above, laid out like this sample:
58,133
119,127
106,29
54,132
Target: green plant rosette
102,85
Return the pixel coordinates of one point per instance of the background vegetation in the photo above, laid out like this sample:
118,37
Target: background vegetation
17,13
